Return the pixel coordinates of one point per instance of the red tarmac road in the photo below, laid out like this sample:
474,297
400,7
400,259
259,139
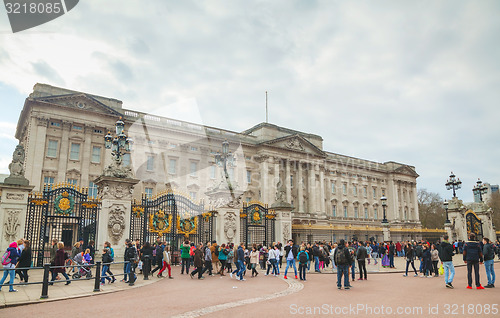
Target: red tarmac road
382,295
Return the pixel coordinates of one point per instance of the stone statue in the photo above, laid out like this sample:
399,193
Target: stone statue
230,226
118,171
116,223
16,167
280,192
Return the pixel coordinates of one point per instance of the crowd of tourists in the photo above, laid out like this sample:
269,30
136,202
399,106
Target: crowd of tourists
240,261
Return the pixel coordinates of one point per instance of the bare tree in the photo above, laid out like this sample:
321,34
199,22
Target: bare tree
494,204
430,209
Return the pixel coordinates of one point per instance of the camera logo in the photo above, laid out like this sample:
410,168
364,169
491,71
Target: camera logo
27,14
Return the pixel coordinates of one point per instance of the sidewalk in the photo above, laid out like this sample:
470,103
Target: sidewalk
80,288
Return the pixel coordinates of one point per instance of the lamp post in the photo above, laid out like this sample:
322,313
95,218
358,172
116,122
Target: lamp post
118,143
445,204
223,160
479,189
453,184
384,205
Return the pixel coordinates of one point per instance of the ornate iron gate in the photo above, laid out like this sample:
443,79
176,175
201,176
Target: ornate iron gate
257,224
172,217
60,212
474,224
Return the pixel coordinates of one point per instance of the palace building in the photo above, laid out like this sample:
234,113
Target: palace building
333,196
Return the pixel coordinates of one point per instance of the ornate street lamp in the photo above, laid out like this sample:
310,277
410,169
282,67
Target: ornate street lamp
118,143
384,205
453,184
445,204
479,189
224,159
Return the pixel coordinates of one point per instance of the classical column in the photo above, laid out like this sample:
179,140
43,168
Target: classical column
63,153
300,190
415,215
86,153
264,181
287,181
310,189
392,199
276,179
322,188
38,156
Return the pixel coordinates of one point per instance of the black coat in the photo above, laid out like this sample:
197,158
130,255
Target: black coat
25,259
294,251
446,252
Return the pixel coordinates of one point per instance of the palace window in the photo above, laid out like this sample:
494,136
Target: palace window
334,210
55,124
48,180
77,128
365,192
74,152
150,164
212,171
356,212
354,190
345,211
52,149
96,154
193,168
148,192
249,176
172,166
291,181
344,188
333,187
92,190
375,214
366,213
73,181
374,193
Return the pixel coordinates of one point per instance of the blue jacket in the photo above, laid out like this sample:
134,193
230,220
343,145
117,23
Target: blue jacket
241,254
472,252
14,255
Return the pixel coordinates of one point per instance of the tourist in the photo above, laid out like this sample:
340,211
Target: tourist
362,255
419,250
435,260
91,248
392,251
316,254
489,258
384,255
158,256
185,257
446,256
106,261
146,257
131,254
24,261
303,258
112,255
280,249
167,260
472,256
240,254
290,254
208,258
59,262
309,251
214,250
9,268
254,260
222,256
410,259
343,260
426,259
230,258
198,262
399,249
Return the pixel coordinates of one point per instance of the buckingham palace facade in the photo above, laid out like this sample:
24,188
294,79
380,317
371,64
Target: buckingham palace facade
333,196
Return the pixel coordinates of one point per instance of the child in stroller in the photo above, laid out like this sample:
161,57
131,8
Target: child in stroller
83,267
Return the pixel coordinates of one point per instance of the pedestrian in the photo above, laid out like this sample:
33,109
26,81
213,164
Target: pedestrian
303,258
10,265
158,256
271,262
214,249
316,254
392,251
361,255
446,256
24,261
241,261
426,259
230,258
435,260
410,259
222,256
59,262
106,261
167,260
489,258
343,260
91,247
352,251
473,256
185,257
198,262
254,260
146,257
291,253
208,258
130,256
384,255
309,251
112,256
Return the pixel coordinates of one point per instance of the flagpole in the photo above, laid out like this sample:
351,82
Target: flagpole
267,113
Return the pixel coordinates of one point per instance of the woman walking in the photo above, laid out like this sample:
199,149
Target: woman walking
9,268
410,259
229,259
59,261
167,260
222,254
426,257
254,260
24,261
435,260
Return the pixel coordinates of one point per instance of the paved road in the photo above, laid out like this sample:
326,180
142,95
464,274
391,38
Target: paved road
275,297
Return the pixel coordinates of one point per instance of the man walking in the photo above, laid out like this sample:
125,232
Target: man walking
392,250
290,253
198,262
362,254
343,260
208,259
446,256
241,261
489,258
316,252
473,256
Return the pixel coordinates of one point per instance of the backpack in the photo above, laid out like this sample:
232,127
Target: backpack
419,251
303,258
225,251
340,257
6,258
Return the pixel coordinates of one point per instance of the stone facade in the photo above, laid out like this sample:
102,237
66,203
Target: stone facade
333,196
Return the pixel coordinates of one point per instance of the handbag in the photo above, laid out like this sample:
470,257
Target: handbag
441,270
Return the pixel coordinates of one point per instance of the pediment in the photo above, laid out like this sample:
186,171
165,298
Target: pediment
407,171
79,101
296,143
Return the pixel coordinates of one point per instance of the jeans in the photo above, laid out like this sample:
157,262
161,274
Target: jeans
449,272
165,265
353,267
105,268
237,268
12,273
490,271
200,271
290,263
362,269
302,271
421,269
54,275
475,266
308,264
316,263
274,266
391,260
241,265
129,272
408,262
185,264
343,270
208,266
125,271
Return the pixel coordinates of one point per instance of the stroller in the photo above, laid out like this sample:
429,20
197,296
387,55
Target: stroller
83,269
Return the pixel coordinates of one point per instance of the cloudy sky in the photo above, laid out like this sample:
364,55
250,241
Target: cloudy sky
408,81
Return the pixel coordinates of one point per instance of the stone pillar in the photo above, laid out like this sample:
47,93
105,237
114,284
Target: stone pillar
311,195
34,168
264,181
386,231
228,226
448,228
64,153
114,217
13,208
86,155
322,190
287,181
283,223
392,199
300,190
